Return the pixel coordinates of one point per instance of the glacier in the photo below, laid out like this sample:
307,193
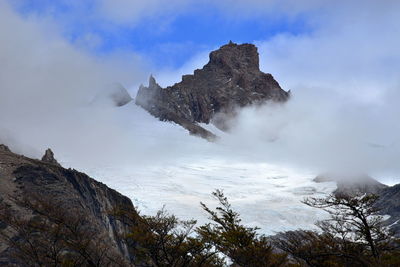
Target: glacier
159,164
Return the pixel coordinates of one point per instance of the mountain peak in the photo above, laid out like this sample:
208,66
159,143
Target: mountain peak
234,56
231,79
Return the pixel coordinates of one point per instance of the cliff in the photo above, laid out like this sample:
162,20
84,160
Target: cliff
389,203
66,190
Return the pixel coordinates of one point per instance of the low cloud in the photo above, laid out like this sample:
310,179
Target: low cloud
129,12
343,76
343,113
45,82
345,85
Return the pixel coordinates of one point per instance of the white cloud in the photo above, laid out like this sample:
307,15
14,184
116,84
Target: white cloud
130,12
44,79
345,84
159,13
343,75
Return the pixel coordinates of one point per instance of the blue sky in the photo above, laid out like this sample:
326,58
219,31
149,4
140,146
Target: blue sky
167,40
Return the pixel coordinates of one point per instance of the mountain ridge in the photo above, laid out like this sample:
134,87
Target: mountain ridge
69,189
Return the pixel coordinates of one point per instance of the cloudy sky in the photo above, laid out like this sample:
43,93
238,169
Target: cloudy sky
340,59
168,34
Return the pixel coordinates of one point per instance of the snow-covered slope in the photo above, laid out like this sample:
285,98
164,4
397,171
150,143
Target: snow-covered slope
157,163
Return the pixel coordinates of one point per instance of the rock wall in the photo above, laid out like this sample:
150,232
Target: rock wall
73,190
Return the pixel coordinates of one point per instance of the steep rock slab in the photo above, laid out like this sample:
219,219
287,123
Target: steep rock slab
71,190
389,203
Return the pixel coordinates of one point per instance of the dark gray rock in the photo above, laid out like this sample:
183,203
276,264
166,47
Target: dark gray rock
49,157
70,189
389,204
231,79
4,148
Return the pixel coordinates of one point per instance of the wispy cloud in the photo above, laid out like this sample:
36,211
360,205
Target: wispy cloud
44,79
345,85
343,75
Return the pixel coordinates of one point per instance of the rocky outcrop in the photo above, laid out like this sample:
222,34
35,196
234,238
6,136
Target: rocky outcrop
120,96
114,95
49,157
71,190
231,79
389,204
4,148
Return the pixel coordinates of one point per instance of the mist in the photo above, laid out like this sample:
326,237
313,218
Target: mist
47,85
342,114
345,87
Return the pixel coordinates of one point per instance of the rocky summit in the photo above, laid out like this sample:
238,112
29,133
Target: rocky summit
231,79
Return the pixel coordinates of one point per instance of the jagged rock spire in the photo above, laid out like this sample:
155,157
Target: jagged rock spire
4,148
49,157
152,82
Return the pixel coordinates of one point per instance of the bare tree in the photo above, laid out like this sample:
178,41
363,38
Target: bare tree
354,218
44,233
354,235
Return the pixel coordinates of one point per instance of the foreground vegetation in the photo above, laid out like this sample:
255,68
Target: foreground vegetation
354,235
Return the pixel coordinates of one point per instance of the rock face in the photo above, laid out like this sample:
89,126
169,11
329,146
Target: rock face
231,79
49,157
389,203
22,176
4,148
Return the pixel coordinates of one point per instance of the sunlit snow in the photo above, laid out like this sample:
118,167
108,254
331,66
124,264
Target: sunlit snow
164,165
